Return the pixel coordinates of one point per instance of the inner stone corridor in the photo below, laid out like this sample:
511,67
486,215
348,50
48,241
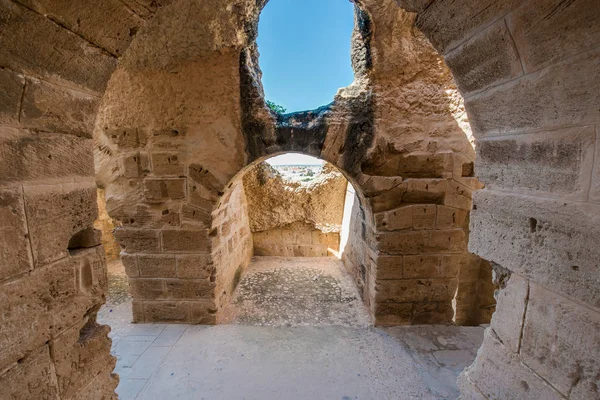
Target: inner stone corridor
449,248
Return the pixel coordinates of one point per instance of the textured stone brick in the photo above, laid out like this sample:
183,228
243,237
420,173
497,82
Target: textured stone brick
160,190
11,90
166,311
558,162
33,50
55,214
573,86
195,215
52,108
418,242
535,25
162,266
415,290
489,58
189,289
448,218
110,24
49,299
166,164
43,156
397,219
507,321
390,314
424,216
33,378
561,342
198,266
552,242
138,240
446,28
185,241
389,267
147,288
15,257
80,353
202,312
130,264
500,374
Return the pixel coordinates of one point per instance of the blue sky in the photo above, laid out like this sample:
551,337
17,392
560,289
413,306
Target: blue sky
304,50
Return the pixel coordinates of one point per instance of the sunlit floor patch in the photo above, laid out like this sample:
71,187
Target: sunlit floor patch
296,291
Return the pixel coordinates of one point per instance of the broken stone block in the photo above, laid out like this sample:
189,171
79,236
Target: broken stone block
15,257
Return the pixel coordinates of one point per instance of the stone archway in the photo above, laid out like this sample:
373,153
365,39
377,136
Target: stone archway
531,93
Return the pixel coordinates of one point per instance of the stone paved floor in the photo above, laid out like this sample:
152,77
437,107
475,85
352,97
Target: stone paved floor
284,351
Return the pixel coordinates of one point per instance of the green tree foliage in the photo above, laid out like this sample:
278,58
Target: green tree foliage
276,108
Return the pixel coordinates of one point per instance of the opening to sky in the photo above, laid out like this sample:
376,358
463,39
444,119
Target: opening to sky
304,48
294,159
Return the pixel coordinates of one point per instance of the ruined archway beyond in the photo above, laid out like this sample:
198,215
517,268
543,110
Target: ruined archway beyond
167,162
183,113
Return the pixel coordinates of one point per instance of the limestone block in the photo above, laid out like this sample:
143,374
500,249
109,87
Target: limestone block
185,241
131,165
147,288
558,162
161,266
424,216
415,290
500,374
42,156
55,215
15,257
41,304
138,240
561,342
420,242
33,51
396,219
426,191
161,190
198,266
193,289
11,90
449,217
386,200
110,24
432,266
130,264
195,215
52,108
551,242
33,378
202,312
414,5
487,59
391,314
458,196
127,137
572,85
166,311
80,353
433,313
446,29
534,27
507,321
167,164
389,267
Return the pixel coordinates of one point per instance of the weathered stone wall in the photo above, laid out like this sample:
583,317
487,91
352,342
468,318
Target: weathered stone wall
529,74
295,219
231,243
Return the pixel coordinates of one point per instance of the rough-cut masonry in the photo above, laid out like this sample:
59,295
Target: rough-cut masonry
183,113
301,219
